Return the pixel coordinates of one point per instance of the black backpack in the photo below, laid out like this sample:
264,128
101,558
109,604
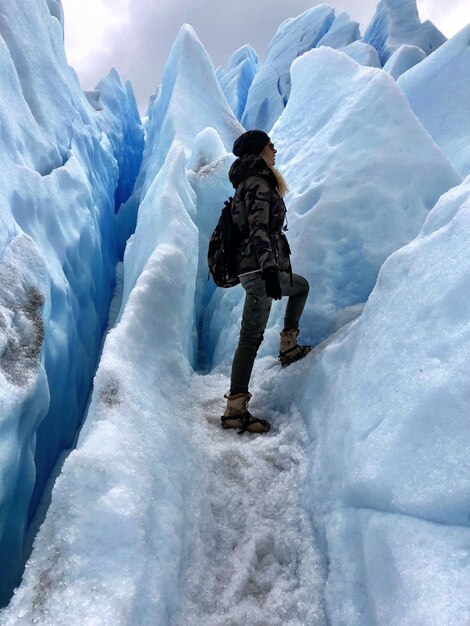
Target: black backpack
223,246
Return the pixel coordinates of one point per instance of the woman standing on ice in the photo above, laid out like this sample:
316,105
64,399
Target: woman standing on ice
263,266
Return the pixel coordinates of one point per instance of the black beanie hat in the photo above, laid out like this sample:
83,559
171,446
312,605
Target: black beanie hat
251,142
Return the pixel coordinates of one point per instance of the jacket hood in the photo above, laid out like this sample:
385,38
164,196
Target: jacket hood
251,165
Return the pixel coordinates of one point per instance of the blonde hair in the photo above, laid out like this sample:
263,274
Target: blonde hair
281,183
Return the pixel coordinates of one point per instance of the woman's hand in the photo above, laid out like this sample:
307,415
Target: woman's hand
271,280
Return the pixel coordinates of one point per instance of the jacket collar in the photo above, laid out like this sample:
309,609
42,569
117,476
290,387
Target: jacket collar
251,165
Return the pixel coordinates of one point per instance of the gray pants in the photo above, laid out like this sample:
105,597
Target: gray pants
255,317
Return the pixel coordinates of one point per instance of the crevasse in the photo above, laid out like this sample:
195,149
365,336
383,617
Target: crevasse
65,169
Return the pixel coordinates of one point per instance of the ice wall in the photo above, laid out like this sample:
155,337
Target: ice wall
396,22
56,10
237,80
119,510
57,254
438,90
207,134
110,549
389,470
118,116
189,69
208,168
342,32
270,89
347,159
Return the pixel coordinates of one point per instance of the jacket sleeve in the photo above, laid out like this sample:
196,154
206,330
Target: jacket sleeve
258,207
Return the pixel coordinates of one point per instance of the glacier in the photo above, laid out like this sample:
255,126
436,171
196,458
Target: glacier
188,68
237,80
59,173
343,31
403,60
119,512
351,202
437,90
390,467
118,117
396,22
362,53
270,89
354,510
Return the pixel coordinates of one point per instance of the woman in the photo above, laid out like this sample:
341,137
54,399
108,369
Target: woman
264,269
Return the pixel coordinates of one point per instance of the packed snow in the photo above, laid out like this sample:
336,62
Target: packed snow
118,523
354,509
251,555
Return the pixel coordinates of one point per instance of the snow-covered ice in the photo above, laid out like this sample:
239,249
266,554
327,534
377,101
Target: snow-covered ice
352,201
189,69
205,136
270,89
362,53
403,60
112,540
390,471
438,90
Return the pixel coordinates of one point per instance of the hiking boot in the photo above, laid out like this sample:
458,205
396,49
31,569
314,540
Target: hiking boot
290,350
237,415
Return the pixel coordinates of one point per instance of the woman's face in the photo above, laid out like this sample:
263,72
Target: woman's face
269,154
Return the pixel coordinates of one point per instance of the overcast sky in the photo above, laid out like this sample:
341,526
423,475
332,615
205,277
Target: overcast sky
135,36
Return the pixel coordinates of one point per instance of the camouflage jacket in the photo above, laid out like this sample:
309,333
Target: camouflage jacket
259,212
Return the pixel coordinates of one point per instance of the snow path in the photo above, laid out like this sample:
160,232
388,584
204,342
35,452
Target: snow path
251,556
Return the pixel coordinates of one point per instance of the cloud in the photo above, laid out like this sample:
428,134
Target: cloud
449,17
136,36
